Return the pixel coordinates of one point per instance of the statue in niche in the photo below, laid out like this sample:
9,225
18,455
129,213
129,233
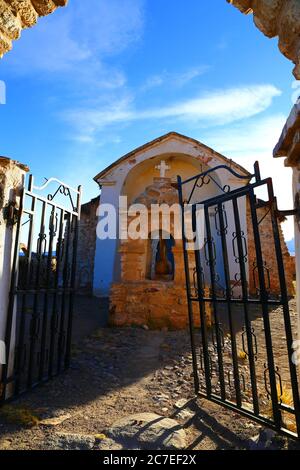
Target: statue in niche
164,259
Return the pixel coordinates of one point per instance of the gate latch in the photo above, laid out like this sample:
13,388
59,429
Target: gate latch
294,212
11,213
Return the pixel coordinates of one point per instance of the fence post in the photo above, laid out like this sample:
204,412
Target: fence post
12,175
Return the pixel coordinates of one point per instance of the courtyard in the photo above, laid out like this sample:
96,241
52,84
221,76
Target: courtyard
117,373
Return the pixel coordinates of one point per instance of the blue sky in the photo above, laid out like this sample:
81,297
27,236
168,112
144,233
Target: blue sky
84,89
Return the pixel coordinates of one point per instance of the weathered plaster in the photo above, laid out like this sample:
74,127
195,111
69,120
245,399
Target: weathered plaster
289,142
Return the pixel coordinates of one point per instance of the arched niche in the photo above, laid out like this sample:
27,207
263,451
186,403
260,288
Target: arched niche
160,250
186,166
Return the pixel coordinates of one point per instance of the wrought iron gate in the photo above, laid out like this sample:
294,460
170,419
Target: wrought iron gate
41,298
243,353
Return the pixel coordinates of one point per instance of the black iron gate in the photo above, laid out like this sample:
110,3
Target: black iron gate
41,298
243,354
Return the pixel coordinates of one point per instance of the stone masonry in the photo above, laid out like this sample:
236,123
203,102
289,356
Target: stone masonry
153,303
288,147
87,246
16,15
274,18
269,256
139,300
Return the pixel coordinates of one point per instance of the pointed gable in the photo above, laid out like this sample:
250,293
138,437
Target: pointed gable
201,149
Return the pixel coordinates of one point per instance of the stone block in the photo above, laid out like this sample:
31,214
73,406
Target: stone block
151,303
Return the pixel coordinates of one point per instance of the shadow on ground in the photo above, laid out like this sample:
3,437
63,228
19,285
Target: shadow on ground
121,371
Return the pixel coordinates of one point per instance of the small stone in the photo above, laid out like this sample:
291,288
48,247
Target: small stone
163,395
185,415
55,421
266,439
109,444
100,437
249,425
181,403
70,441
160,399
5,444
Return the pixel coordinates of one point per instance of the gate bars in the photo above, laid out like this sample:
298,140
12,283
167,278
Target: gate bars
41,297
243,370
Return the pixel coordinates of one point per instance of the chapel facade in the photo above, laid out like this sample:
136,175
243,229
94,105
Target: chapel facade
145,278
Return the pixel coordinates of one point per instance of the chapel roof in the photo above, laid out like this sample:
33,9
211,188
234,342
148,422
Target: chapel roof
166,137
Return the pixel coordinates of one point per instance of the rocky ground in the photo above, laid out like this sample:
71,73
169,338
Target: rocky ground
128,388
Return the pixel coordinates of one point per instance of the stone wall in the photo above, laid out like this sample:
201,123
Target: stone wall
140,300
277,18
269,256
288,146
136,299
16,15
87,246
152,303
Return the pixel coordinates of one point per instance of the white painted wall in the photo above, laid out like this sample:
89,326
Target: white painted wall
14,180
6,253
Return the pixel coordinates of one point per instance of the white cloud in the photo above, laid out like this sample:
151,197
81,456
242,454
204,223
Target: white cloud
108,26
177,80
254,140
214,108
77,39
48,47
153,82
257,135
222,44
220,107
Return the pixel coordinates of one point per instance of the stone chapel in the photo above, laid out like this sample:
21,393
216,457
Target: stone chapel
145,279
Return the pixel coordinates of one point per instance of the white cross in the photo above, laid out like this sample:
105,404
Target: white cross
163,168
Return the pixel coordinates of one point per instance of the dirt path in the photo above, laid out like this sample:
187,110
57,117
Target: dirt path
116,373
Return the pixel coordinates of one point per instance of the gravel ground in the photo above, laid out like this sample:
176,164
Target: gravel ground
119,372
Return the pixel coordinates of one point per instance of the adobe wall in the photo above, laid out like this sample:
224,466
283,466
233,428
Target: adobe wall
269,255
87,246
140,300
152,303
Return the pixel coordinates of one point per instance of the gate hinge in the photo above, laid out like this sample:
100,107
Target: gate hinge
293,212
11,213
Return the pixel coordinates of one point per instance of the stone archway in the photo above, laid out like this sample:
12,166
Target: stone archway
16,15
280,18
